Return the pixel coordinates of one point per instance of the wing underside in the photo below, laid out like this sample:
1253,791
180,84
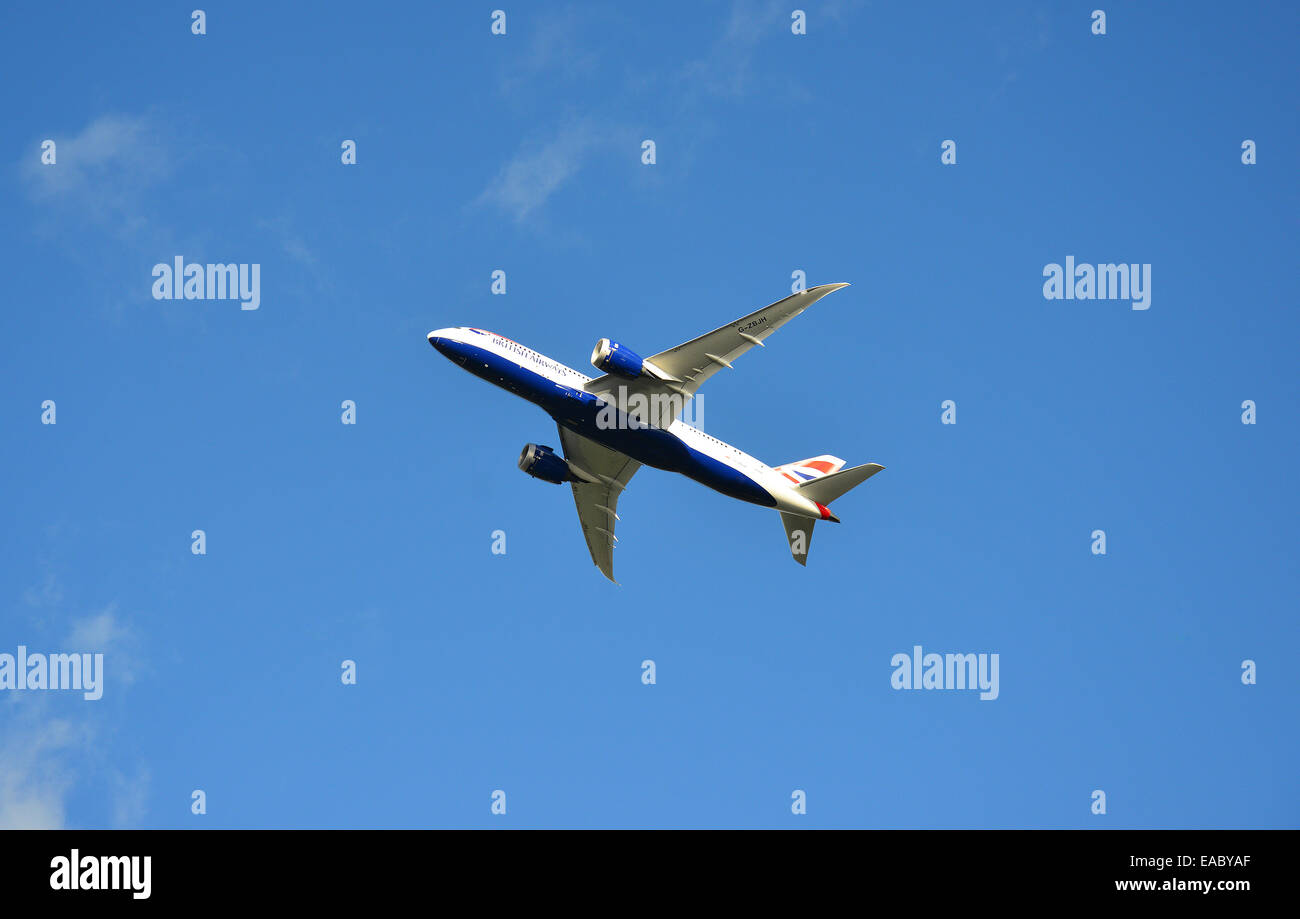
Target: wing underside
597,502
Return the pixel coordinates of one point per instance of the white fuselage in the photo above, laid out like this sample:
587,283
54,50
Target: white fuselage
549,383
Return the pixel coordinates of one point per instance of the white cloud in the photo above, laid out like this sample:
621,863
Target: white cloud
536,172
290,240
100,174
104,633
555,48
50,593
49,744
34,773
726,68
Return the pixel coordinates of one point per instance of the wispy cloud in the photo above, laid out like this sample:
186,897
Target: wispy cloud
105,632
539,170
34,771
727,68
553,48
49,743
120,193
290,240
101,174
48,594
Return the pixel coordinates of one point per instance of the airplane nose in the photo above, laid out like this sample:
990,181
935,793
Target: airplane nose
441,341
448,344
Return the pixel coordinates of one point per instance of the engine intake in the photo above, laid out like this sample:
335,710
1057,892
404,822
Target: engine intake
541,463
611,357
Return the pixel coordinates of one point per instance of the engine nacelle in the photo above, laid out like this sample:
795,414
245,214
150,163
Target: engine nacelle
542,463
611,357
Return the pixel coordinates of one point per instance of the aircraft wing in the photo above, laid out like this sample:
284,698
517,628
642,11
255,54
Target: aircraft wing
598,502
682,370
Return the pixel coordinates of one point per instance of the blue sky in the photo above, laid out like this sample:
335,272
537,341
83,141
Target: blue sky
521,672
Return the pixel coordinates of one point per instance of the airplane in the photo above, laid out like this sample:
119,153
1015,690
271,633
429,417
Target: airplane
613,424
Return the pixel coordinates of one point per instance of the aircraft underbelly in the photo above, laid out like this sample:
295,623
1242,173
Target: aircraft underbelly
580,412
663,450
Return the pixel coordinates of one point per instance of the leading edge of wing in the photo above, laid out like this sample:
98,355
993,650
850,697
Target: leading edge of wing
693,362
810,295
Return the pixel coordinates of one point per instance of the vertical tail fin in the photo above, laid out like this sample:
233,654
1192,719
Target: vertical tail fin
806,470
824,487
798,535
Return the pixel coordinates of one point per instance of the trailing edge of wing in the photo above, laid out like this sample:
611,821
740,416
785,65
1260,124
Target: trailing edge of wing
597,502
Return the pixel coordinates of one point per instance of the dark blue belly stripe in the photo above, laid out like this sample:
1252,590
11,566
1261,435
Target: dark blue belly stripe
577,410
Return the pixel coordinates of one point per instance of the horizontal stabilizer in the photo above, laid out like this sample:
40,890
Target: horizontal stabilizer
826,489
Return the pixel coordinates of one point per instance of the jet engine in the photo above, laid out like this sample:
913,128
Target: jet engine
542,463
611,357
